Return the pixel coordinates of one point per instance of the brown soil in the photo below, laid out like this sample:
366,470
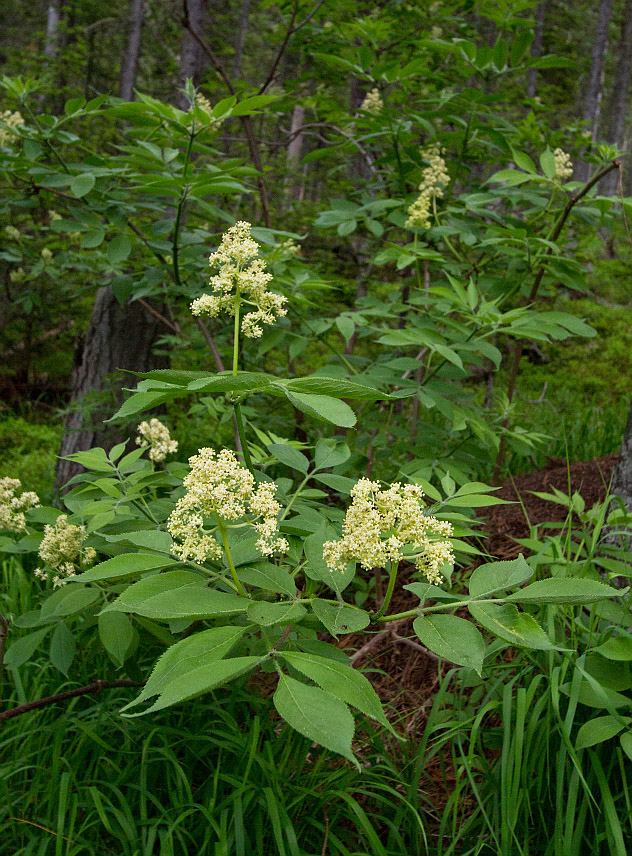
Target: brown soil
403,673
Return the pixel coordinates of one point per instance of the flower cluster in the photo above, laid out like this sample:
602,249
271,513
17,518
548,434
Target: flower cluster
430,188
47,256
379,523
18,275
563,164
373,102
289,247
11,120
155,436
63,552
12,507
205,105
241,278
54,215
12,233
219,485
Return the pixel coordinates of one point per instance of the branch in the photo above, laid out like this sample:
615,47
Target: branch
94,687
290,32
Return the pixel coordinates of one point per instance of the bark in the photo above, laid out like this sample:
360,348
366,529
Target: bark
192,57
119,337
594,87
51,40
293,179
244,12
536,47
622,476
618,106
129,63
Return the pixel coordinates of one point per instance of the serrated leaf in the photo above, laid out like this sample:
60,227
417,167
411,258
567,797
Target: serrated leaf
497,576
68,600
62,648
452,638
547,162
118,249
125,565
20,651
116,633
268,614
330,453
201,649
177,595
269,577
316,715
151,539
323,407
515,627
568,590
342,681
338,618
289,456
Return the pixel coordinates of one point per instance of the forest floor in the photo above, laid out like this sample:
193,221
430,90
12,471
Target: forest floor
404,674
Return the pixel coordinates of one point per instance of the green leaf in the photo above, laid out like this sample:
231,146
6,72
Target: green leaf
617,647
62,649
599,729
227,382
523,161
269,577
330,453
335,388
342,681
126,565
339,618
515,627
569,590
92,239
177,595
323,407
317,568
118,249
342,484
475,500
198,681
139,402
289,456
268,614
23,649
117,634
201,649
150,539
69,600
346,325
316,715
452,638
94,459
547,162
626,743
82,184
497,576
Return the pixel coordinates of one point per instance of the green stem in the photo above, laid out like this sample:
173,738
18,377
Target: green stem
389,591
236,335
229,556
241,431
296,493
442,606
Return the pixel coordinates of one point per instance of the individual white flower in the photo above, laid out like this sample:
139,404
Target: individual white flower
242,278
434,177
12,507
563,164
155,436
380,523
62,551
218,486
373,102
11,121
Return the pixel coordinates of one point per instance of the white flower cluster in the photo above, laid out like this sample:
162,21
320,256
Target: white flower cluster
373,102
430,188
155,436
290,247
12,507
47,256
63,552
241,278
54,215
12,233
18,275
204,104
379,523
563,164
219,485
11,120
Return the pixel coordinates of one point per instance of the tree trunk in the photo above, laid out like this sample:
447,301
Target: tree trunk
192,57
119,337
618,106
594,88
51,39
536,47
293,180
129,63
244,12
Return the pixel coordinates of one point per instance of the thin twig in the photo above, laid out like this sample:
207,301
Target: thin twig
94,687
288,35
150,308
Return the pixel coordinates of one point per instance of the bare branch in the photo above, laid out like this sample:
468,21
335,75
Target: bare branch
94,687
